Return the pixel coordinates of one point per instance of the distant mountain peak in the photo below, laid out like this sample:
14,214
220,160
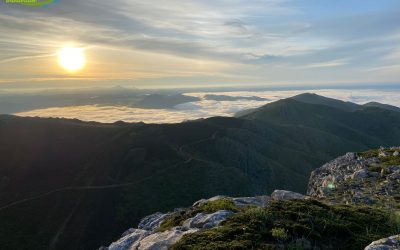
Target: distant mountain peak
301,103
312,98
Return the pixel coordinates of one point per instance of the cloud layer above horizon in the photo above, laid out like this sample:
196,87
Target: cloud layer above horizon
206,108
174,42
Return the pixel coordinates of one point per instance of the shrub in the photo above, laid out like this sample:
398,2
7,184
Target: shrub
376,169
257,213
221,204
280,234
339,226
173,220
369,153
391,160
395,219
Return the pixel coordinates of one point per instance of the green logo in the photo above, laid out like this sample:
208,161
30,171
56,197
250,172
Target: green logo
34,3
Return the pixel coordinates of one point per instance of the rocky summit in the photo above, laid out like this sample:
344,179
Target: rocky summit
371,178
351,202
161,230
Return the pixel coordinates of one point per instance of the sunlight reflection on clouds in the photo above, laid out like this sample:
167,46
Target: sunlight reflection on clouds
204,108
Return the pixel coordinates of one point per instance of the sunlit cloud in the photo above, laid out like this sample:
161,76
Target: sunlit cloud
334,63
205,108
235,40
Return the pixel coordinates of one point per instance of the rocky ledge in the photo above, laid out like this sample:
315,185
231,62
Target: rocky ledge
161,230
288,220
371,178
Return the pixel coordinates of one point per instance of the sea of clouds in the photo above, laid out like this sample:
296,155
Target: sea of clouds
207,108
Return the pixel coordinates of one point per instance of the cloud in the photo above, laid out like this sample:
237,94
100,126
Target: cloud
327,64
250,38
206,108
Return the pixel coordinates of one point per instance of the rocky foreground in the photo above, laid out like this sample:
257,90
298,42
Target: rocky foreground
351,201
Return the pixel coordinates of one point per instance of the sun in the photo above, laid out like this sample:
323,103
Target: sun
71,59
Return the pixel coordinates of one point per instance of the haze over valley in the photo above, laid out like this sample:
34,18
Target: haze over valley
199,125
167,106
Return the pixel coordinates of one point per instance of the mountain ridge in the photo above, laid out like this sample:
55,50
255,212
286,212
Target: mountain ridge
169,165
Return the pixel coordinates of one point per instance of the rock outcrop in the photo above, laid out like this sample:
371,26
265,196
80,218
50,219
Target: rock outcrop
150,236
152,222
391,243
129,238
202,220
161,240
371,178
260,201
284,195
140,239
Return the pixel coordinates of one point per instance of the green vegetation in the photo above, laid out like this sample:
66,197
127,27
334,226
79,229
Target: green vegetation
221,204
177,218
295,224
370,153
391,160
375,168
280,234
388,160
167,165
384,161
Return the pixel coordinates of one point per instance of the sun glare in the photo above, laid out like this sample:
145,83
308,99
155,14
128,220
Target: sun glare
71,59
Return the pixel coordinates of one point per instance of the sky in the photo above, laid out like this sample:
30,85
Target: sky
188,43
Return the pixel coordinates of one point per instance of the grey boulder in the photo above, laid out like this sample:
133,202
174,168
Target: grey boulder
152,222
284,195
202,220
127,241
162,240
360,174
390,243
259,201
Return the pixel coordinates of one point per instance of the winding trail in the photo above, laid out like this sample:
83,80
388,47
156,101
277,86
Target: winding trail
66,189
80,188
112,186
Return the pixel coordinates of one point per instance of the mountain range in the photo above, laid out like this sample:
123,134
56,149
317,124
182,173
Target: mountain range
68,184
116,96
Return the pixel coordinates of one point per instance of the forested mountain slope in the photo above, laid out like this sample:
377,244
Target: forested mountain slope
67,180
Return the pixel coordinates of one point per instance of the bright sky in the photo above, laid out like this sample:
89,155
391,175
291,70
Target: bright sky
187,42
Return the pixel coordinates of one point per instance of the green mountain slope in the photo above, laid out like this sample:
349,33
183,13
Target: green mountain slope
383,106
71,180
321,100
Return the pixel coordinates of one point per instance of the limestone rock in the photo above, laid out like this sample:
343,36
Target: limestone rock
284,195
391,243
127,241
353,179
202,220
259,201
162,240
383,154
326,178
152,222
360,174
